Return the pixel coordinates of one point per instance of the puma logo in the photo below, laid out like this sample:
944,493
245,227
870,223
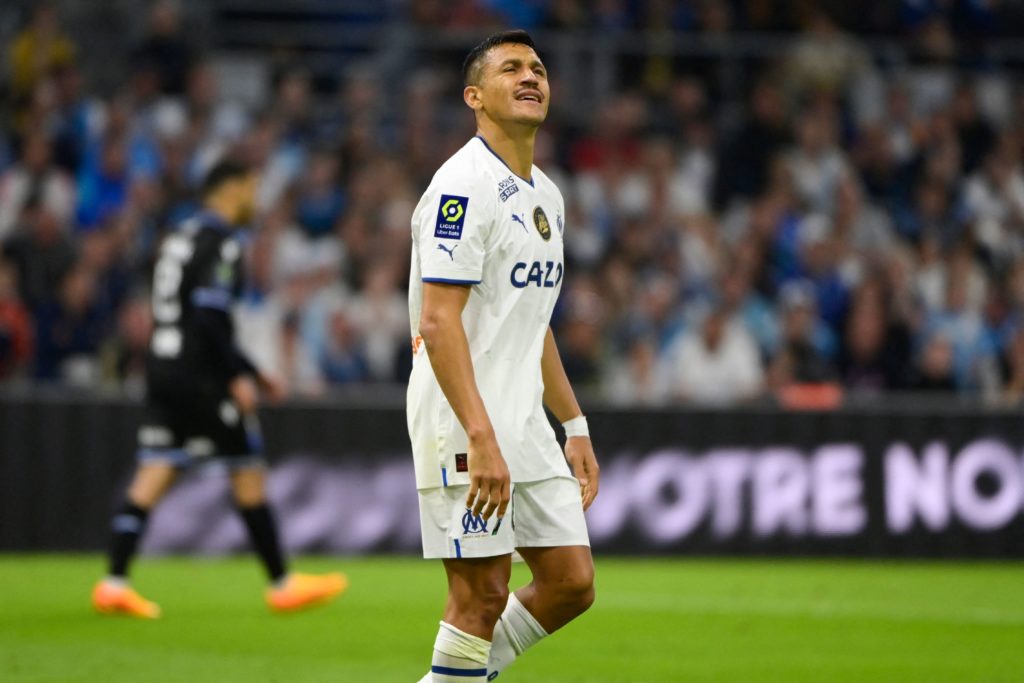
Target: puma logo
450,252
519,219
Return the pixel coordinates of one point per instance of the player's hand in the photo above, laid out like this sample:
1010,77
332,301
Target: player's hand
245,393
579,452
273,388
490,485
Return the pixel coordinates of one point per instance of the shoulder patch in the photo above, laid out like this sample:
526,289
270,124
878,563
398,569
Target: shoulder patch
451,215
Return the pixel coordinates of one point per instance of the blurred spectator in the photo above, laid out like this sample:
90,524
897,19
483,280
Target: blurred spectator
38,48
938,271
748,307
580,333
124,354
746,161
875,353
293,104
859,225
77,120
963,327
801,358
974,132
994,201
817,163
42,253
103,183
69,332
819,253
934,371
34,178
382,313
320,200
165,50
636,378
716,363
824,59
344,356
15,326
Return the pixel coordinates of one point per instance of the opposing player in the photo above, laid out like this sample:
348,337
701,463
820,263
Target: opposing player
486,272
201,398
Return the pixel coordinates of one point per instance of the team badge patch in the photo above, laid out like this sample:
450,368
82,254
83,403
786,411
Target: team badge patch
540,221
451,214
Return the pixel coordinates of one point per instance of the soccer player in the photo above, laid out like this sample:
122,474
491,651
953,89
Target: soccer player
201,399
486,271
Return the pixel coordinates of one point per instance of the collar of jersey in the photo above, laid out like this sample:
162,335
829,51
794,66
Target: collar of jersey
481,139
212,220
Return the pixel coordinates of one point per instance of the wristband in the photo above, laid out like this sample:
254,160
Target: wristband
577,426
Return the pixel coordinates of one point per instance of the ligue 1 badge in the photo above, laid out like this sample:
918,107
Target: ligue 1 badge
541,222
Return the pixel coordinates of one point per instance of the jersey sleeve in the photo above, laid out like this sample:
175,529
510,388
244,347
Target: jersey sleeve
453,227
218,286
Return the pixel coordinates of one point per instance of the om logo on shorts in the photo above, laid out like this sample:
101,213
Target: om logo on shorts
473,524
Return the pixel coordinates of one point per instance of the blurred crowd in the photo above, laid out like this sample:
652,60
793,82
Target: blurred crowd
803,225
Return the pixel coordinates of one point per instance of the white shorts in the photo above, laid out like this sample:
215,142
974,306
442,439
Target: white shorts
541,514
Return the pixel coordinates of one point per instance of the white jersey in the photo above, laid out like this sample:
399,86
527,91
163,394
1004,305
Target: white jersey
481,225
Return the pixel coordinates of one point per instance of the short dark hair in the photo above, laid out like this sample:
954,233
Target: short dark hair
470,70
222,172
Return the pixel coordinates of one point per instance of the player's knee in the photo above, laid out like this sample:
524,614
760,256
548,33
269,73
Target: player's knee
581,591
574,591
490,599
486,601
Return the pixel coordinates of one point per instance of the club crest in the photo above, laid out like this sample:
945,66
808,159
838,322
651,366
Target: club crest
540,221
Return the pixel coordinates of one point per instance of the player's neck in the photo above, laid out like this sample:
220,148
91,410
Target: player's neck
220,208
514,147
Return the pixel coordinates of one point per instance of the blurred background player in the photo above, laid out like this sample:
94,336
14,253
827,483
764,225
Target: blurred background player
487,267
202,393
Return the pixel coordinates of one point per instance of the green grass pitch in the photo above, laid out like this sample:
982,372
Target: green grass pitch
654,620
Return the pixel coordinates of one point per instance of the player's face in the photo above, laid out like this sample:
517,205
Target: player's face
514,85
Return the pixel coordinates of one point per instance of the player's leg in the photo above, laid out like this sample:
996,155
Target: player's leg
114,595
552,538
477,593
152,479
477,561
248,486
288,591
562,586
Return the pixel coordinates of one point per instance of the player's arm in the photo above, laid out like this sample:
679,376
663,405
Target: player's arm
217,331
213,298
441,328
561,400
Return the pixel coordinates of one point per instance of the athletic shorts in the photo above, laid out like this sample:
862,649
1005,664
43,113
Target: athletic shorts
196,429
541,514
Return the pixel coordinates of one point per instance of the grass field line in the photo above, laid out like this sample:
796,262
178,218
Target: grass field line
792,607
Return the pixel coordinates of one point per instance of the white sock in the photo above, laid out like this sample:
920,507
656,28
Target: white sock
515,631
116,581
458,657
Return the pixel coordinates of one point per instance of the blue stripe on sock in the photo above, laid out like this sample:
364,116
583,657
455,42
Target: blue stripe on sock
444,476
448,671
458,548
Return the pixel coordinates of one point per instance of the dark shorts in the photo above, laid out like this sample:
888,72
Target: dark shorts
190,429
